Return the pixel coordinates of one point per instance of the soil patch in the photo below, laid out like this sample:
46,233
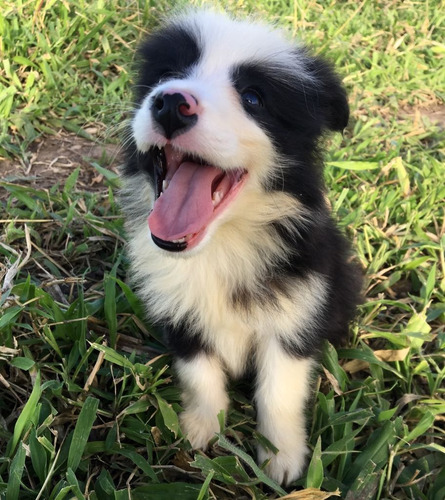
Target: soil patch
435,114
53,158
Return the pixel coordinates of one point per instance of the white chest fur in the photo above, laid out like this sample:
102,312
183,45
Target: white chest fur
200,288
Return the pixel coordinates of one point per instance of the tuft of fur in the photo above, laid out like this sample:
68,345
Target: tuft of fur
271,277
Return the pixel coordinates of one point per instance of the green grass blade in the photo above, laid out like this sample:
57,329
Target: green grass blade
366,483
138,460
39,456
169,415
421,428
72,480
63,492
15,474
113,357
224,443
205,486
377,448
9,316
166,491
353,165
82,431
71,181
110,304
314,476
23,363
26,415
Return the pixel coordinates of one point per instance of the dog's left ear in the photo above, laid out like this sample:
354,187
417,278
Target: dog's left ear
331,96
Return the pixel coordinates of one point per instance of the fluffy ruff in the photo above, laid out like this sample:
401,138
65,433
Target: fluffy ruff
233,246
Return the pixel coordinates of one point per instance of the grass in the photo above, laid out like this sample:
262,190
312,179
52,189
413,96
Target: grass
88,403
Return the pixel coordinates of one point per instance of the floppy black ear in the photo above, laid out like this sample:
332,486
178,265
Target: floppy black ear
331,95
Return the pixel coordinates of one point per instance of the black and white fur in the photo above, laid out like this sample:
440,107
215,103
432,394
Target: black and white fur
271,276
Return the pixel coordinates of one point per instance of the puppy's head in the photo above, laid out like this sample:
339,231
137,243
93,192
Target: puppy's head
226,108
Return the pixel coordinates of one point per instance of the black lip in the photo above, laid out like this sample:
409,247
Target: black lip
159,169
170,246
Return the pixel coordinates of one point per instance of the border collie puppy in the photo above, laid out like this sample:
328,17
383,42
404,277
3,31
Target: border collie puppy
232,243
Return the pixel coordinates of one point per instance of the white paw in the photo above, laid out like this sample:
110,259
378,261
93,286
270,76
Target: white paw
287,465
199,430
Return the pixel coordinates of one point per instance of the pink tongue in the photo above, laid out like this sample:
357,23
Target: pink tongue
185,207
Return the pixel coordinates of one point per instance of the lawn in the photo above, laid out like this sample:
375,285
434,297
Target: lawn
88,401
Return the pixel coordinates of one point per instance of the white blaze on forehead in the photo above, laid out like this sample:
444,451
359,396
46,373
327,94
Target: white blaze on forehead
226,43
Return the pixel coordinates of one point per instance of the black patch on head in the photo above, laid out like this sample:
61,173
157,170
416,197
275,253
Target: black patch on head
168,53
308,105
294,112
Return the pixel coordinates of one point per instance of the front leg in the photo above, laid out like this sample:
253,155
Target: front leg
283,387
204,396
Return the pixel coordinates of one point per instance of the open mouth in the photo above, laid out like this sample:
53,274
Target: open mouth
190,194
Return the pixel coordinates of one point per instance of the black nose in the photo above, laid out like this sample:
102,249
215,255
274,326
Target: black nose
173,113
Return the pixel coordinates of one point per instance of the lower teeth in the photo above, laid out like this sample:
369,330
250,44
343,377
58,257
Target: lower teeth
217,197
